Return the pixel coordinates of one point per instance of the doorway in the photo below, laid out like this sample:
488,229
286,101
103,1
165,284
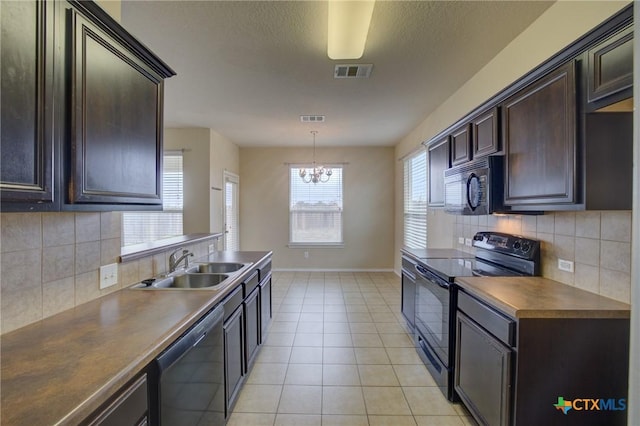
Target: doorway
231,212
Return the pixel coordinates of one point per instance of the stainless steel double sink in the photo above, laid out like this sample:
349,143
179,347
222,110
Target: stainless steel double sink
209,275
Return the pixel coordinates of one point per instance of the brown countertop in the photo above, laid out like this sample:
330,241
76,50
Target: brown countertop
61,369
537,297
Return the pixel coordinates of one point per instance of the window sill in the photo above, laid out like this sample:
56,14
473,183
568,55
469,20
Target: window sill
315,245
139,251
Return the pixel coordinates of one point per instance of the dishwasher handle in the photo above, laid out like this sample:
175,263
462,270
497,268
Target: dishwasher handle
430,276
190,338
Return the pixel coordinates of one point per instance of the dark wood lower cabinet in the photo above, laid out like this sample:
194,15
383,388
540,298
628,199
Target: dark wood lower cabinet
518,372
234,370
247,313
483,372
265,306
252,326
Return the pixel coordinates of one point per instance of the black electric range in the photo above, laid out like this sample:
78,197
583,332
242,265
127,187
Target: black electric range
497,254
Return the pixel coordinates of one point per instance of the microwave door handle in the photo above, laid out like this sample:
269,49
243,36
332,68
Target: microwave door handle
425,273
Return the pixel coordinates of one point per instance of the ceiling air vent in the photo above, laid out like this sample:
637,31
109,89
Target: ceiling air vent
312,118
352,71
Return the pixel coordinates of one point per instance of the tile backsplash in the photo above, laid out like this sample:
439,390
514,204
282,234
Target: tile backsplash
598,242
50,262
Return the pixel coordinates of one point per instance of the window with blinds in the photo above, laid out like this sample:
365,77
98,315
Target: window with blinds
142,227
315,210
415,200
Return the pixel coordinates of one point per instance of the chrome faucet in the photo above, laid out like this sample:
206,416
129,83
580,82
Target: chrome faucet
174,260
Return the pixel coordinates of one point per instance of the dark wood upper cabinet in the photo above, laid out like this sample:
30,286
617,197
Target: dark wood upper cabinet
115,120
461,145
539,138
485,133
27,80
439,161
610,70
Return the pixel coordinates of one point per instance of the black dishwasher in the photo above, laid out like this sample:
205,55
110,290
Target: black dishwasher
187,386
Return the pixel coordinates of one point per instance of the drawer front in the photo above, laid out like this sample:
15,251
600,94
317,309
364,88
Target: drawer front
491,320
232,302
251,283
264,270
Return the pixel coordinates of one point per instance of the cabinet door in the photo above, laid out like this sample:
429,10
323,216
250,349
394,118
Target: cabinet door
461,145
252,324
27,85
539,125
482,373
233,357
439,161
485,133
265,306
115,121
610,69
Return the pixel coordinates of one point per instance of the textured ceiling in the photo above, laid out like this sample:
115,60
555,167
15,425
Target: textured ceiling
250,69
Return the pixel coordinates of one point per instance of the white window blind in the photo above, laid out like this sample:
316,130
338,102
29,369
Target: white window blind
142,227
415,200
315,210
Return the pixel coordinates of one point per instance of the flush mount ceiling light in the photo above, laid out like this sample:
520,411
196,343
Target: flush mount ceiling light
316,173
348,27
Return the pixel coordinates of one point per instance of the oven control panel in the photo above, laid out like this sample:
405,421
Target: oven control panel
508,244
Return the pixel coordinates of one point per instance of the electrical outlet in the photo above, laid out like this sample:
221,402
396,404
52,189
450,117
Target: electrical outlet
461,240
212,248
467,242
306,254
108,275
565,265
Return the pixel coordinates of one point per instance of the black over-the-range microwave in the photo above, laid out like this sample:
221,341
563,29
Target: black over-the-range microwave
475,187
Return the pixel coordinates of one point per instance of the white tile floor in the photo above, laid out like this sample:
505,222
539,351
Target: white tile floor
338,353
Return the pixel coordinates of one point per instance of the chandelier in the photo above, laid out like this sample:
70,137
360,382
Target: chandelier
317,173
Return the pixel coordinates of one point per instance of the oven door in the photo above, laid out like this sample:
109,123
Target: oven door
432,312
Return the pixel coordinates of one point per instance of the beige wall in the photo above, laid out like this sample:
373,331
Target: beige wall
562,23
368,207
224,156
112,7
207,154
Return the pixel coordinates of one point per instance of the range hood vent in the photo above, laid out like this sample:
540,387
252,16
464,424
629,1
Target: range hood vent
352,71
312,118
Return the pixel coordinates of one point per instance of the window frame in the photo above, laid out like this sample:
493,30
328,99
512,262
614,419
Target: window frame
307,244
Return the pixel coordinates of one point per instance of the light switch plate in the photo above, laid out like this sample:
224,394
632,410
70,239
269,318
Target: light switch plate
461,240
212,248
108,275
467,242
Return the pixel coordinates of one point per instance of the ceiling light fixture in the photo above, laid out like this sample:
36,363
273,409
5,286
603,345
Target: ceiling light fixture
348,28
316,173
